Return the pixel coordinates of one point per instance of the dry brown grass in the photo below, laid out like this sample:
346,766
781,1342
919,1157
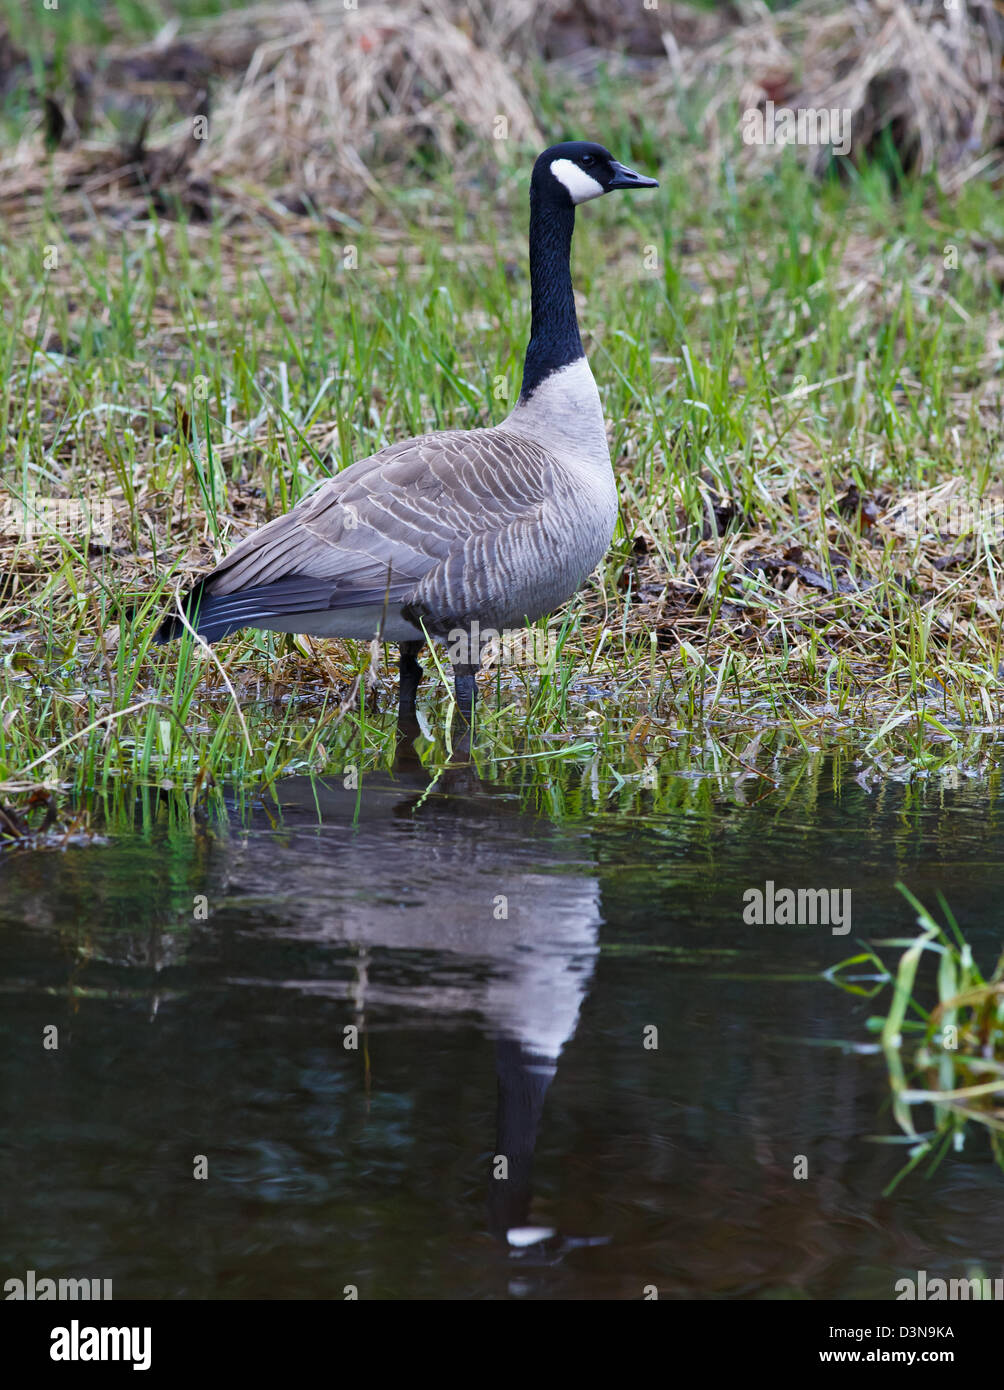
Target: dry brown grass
317,103
927,74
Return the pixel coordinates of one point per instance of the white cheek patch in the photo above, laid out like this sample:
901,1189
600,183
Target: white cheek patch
580,186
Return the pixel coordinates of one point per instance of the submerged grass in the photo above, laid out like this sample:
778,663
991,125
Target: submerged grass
957,1068
804,387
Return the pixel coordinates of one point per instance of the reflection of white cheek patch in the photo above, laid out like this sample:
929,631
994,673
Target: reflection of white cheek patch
580,186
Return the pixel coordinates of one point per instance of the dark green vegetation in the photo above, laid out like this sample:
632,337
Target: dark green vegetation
957,1065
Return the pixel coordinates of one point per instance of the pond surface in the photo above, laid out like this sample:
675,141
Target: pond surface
354,1003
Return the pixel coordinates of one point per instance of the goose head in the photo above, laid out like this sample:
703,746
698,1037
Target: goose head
577,170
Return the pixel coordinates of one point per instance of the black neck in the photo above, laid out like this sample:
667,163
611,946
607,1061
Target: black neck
554,332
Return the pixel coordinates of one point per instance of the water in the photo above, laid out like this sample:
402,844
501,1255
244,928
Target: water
501,964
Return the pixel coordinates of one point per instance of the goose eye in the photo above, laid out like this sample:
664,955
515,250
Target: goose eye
587,159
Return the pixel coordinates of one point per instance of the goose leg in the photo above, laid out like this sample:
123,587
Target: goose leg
411,673
466,686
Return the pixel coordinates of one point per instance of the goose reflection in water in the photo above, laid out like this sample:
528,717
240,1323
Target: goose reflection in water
448,866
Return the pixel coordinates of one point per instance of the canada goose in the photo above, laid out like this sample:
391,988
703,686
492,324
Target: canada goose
459,530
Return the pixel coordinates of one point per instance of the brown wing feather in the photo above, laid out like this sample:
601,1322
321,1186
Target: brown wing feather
398,515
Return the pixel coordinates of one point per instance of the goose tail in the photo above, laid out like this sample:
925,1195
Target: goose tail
214,615
171,628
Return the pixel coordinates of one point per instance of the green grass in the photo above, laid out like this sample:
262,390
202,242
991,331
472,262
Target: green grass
958,1060
760,345
42,30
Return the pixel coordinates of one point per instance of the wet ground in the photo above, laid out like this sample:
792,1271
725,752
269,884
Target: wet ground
432,1040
